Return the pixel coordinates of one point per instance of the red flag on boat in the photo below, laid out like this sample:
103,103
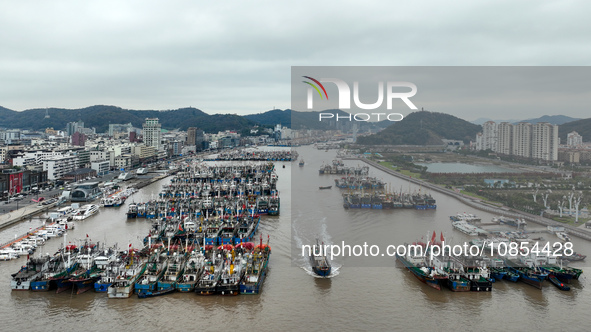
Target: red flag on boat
86,235
433,237
130,245
442,237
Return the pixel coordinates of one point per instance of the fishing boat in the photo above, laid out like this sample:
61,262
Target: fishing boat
479,277
456,282
498,273
144,293
229,232
425,274
575,257
318,260
88,273
527,275
301,163
109,270
274,205
131,270
246,229
559,284
59,263
62,278
192,272
132,211
564,274
231,275
155,269
256,269
32,270
211,276
174,272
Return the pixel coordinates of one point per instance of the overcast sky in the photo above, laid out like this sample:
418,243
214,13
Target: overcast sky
236,56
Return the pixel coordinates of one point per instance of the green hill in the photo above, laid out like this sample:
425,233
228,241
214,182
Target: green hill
100,116
423,128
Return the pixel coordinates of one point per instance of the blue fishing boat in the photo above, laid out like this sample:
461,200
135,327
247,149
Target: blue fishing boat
318,260
256,269
144,293
559,284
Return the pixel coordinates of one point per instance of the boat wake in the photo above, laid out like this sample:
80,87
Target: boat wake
335,271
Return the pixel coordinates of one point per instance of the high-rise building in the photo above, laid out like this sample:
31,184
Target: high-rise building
152,132
504,138
573,139
195,136
73,127
489,136
78,139
544,141
191,135
522,139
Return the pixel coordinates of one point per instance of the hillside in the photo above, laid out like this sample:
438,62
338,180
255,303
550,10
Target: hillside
272,117
310,120
423,128
553,119
583,127
100,116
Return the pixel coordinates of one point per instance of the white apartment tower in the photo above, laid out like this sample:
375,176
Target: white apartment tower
544,141
522,139
489,136
152,133
504,138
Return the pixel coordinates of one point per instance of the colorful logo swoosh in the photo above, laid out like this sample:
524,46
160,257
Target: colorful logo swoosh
316,87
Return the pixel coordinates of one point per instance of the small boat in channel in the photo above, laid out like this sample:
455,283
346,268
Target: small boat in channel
319,262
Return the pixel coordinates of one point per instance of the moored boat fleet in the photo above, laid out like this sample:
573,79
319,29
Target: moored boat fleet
461,273
190,248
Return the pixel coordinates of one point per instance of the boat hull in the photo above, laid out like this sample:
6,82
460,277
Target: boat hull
40,286
101,287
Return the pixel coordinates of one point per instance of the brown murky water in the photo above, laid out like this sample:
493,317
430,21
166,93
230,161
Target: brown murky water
364,293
